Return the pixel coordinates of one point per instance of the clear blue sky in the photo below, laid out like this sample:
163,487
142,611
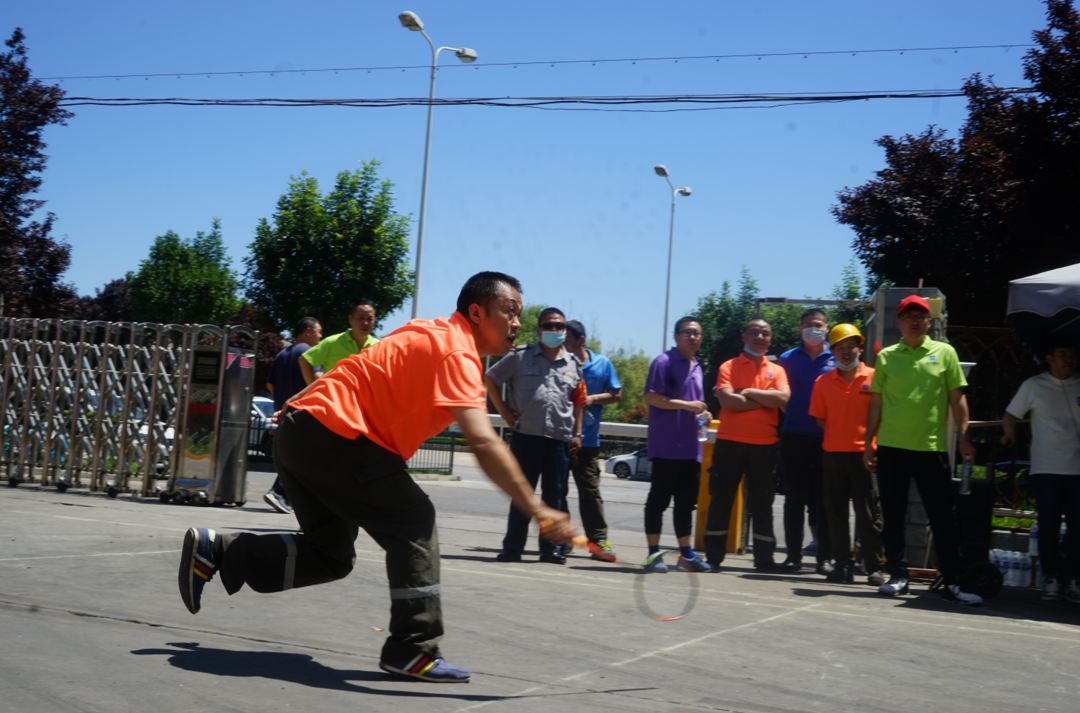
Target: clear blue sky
566,201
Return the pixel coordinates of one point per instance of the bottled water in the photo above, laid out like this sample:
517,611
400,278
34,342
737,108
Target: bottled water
1033,539
965,476
703,422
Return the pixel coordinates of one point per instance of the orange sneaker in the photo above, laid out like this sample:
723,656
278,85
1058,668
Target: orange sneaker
602,551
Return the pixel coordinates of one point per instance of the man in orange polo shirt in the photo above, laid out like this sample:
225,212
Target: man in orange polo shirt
839,403
751,390
341,449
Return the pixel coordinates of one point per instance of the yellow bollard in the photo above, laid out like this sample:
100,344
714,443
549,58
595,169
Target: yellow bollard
734,538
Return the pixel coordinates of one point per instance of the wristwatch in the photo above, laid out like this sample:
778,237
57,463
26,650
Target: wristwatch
577,435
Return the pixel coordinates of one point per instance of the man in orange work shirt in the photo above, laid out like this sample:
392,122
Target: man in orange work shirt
751,390
839,403
341,449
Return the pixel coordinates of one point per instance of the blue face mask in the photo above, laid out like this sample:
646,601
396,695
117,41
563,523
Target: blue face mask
552,339
813,335
853,365
750,351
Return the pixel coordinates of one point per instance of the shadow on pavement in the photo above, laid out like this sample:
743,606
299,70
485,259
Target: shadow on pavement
304,670
290,668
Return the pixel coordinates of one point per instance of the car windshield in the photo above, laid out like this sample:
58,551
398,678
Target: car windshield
266,408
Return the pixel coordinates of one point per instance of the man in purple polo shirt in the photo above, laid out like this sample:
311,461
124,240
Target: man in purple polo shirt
675,394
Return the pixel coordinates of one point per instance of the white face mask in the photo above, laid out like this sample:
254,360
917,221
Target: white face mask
813,335
748,350
854,364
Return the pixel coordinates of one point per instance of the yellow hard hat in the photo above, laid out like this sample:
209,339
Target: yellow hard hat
842,331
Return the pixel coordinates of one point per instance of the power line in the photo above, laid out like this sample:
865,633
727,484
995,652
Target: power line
552,63
699,102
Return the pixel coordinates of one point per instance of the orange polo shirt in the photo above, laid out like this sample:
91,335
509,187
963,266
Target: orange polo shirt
398,392
757,426
843,406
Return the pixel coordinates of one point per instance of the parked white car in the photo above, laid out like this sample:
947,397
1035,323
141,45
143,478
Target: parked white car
631,465
261,435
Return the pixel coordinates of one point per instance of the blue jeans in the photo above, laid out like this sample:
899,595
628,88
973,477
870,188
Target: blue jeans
1057,496
544,460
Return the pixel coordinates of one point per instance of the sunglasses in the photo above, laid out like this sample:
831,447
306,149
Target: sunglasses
553,326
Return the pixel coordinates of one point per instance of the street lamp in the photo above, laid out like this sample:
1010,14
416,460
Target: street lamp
661,170
410,21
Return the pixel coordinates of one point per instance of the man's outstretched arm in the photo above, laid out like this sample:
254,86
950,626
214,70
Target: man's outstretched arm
500,465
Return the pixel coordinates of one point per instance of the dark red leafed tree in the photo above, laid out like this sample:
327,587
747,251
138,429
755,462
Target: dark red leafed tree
1000,202
31,262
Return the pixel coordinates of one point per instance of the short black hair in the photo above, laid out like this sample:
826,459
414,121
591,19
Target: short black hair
363,303
304,325
1052,342
548,311
482,288
814,311
575,329
756,319
684,320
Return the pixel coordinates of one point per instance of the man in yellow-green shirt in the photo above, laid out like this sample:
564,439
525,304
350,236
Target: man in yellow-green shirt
333,349
916,382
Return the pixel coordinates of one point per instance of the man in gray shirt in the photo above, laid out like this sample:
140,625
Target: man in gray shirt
546,395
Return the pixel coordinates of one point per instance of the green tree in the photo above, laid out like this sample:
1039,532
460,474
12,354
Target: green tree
849,289
185,281
320,253
998,203
633,371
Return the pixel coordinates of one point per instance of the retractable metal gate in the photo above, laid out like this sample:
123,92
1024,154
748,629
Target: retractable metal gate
95,404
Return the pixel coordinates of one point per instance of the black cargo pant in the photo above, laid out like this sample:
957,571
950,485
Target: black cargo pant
731,461
803,493
337,485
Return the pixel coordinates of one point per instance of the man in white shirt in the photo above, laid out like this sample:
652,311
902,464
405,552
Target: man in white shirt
1053,399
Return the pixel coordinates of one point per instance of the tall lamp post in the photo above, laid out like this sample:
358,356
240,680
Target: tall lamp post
410,21
661,170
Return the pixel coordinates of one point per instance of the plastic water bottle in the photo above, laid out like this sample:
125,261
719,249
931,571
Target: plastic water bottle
1033,539
965,476
1011,567
995,559
1025,570
703,421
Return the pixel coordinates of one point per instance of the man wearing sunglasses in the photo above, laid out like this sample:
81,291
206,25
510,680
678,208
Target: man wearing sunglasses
545,399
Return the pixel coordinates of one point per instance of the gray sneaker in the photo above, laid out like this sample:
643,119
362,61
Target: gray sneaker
277,502
1051,591
876,579
894,587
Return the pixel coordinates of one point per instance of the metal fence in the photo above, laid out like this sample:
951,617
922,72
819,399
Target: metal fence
94,404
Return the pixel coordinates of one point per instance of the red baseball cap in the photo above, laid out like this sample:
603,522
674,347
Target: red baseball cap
913,301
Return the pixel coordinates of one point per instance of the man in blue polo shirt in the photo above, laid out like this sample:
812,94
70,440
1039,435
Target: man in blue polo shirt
603,387
800,444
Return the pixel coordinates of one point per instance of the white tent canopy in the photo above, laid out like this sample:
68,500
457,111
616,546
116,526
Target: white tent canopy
1046,293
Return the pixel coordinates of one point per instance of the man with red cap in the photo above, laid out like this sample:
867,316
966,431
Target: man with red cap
916,382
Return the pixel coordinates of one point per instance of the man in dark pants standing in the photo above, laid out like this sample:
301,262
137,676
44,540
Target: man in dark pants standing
341,451
675,394
603,387
547,395
751,390
800,445
916,382
285,381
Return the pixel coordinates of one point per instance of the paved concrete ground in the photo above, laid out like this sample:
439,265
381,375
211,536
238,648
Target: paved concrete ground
91,620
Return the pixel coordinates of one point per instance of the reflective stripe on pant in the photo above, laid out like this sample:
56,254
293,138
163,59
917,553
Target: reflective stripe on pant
731,461
334,492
